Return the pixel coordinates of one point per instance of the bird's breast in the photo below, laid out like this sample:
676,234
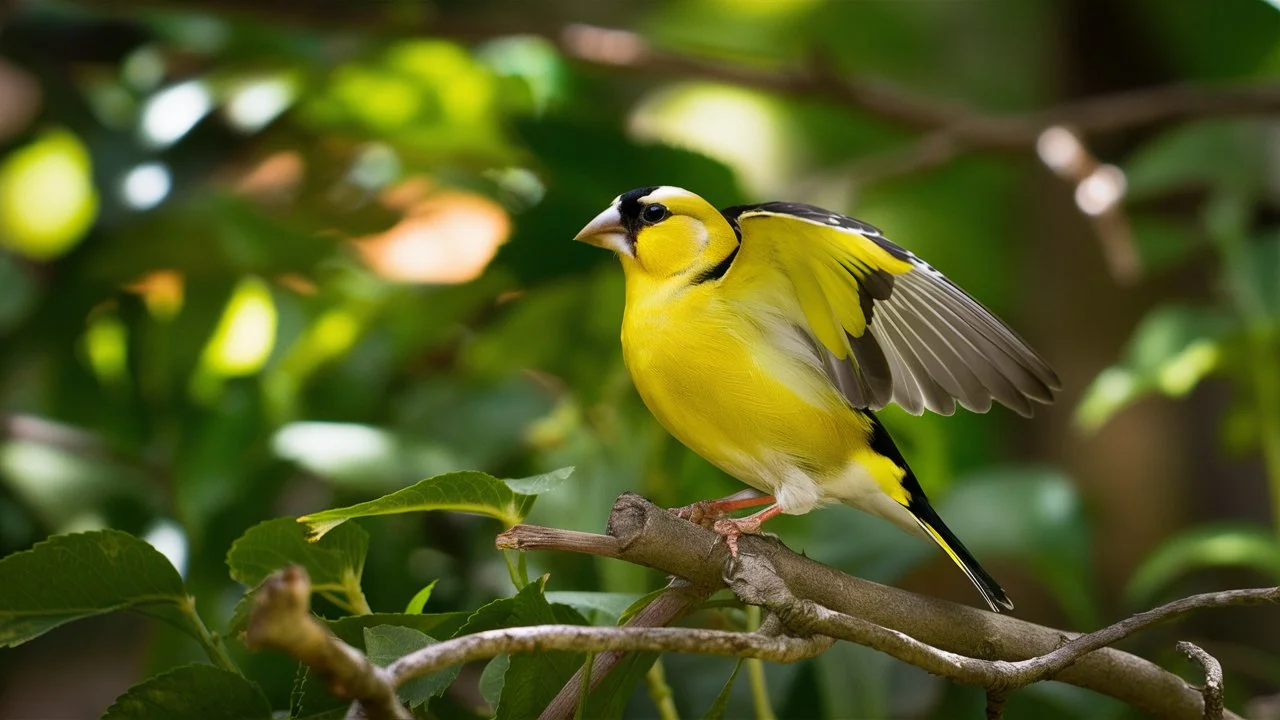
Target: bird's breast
737,384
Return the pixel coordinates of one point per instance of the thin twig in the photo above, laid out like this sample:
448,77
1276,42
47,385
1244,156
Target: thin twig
581,638
678,599
965,126
1212,690
282,620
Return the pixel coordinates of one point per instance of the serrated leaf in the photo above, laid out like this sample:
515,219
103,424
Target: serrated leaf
332,561
384,644
1213,546
493,678
539,484
468,491
1171,351
69,577
608,605
717,709
192,691
419,600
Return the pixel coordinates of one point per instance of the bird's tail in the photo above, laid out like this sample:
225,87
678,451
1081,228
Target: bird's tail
933,526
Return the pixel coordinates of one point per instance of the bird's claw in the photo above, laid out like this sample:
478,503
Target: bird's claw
733,528
702,513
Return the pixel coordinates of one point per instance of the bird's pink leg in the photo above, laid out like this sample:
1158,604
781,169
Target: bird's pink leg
706,512
733,528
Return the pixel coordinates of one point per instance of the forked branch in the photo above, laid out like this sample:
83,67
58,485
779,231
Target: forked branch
812,603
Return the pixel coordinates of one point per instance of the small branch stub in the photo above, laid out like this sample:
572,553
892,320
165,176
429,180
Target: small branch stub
281,620
1212,690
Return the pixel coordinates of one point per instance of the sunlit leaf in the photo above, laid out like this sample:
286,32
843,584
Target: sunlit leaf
1170,352
384,644
192,691
468,491
419,600
1204,547
69,577
333,562
538,484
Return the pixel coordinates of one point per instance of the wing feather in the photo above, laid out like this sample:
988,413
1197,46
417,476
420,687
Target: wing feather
890,327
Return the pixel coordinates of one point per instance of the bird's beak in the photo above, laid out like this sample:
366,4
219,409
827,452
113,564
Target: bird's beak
606,231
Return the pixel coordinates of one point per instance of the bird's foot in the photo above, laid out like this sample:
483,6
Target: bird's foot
733,528
703,512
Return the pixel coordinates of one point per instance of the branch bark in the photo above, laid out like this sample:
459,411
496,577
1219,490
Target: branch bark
642,533
1212,690
679,598
282,620
813,603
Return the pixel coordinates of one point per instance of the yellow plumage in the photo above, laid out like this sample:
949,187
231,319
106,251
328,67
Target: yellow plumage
761,337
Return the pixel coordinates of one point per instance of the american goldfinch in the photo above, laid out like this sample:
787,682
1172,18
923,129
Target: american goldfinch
762,337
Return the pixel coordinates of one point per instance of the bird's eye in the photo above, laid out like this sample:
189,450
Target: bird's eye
655,213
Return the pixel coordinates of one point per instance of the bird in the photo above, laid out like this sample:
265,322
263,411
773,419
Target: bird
764,337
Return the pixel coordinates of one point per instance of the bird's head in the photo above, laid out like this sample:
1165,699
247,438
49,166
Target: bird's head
662,233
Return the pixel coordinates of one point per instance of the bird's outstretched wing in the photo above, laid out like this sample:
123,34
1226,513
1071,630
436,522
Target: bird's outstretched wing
892,327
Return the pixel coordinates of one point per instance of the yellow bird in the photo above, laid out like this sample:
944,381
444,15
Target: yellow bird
762,337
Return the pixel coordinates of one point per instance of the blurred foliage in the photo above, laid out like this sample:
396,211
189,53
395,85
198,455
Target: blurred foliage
258,260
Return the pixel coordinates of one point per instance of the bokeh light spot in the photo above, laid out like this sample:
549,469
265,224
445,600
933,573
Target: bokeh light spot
449,237
47,197
246,334
255,103
146,185
172,112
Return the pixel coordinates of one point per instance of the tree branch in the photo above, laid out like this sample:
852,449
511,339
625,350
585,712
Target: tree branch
1212,690
964,126
926,631
679,598
282,620
813,603
583,638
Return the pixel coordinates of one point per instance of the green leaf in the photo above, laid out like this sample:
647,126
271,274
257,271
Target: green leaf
1220,154
493,679
609,605
531,680
420,598
384,644
1172,349
310,697
468,491
69,577
332,561
611,696
717,709
1228,545
192,691
639,604
538,484
351,629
